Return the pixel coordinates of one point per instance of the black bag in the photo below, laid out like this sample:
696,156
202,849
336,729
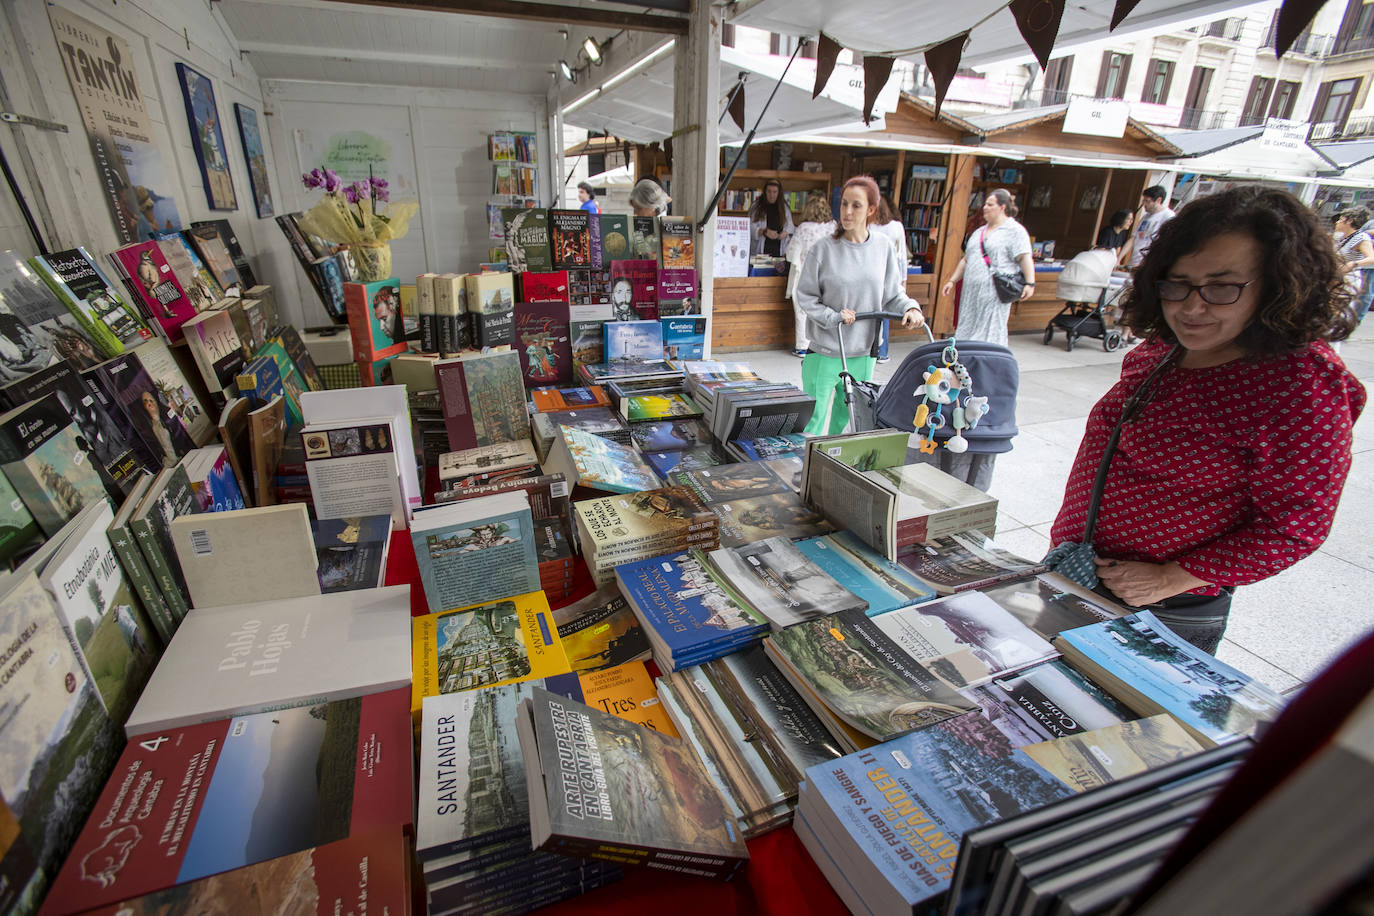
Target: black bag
1007,286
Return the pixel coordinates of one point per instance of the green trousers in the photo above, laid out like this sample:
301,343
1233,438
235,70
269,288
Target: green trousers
821,380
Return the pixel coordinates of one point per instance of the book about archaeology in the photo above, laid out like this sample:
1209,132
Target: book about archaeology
247,658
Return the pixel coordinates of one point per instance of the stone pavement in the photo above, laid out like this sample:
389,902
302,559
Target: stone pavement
1283,630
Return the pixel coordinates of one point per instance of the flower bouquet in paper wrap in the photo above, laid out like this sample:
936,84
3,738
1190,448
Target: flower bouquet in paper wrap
349,214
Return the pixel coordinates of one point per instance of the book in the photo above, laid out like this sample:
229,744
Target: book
588,340
670,435
350,553
677,242
378,401
1151,670
544,287
614,811
780,583
615,237
214,253
547,493
527,239
598,421
1103,755
764,447
319,777
743,521
476,550
169,497
140,578
634,290
689,615
484,645
600,631
212,479
694,458
245,555
483,399
553,400
683,337
83,287
1045,702
290,340
213,341
542,343
1050,604
427,309
18,531
247,280
48,462
678,295
175,390
453,330
964,561
632,526
154,285
633,341
150,413
604,372
267,439
234,432
641,407
958,775
375,324
491,463
240,659
625,690
885,586
644,238
354,469
329,281
570,238
592,461
861,682
59,745
36,324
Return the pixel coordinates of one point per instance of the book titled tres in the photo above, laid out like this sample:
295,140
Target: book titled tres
246,658
198,800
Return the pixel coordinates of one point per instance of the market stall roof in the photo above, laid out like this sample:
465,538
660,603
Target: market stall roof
620,176
639,106
1036,127
1201,142
1248,158
1348,153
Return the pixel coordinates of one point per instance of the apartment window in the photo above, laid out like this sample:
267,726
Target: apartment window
1356,32
1057,75
1285,96
1257,101
1157,80
1111,81
1335,100
1196,99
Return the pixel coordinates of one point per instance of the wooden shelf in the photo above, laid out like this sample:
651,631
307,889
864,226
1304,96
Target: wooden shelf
784,176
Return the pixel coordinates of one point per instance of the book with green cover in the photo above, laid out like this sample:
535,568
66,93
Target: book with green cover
169,497
615,237
135,565
527,239
85,289
18,530
658,407
290,339
36,324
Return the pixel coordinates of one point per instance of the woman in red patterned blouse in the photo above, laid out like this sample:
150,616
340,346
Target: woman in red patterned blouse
1231,470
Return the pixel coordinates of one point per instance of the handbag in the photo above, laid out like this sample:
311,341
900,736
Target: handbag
1074,559
1007,286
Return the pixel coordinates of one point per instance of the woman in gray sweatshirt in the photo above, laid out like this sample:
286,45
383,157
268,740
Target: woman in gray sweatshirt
851,272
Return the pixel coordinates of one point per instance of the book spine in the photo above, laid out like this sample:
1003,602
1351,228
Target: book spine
662,859
125,546
160,566
602,558
425,307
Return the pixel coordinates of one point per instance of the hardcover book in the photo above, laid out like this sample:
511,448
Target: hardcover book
588,341
1045,702
678,243
169,497
350,553
175,391
135,565
1050,604
47,461
570,236
36,324
476,550
589,460
541,341
780,583
633,341
242,659
615,237
155,286
600,631
634,289
615,811
84,288
684,338
18,531
483,399
426,307
319,774
527,239
375,322
453,328
246,555
677,295
694,458
214,343
598,421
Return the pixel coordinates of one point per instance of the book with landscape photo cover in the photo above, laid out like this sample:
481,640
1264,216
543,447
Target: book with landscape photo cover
965,561
36,324
350,553
1050,604
241,659
744,521
476,550
1046,701
781,583
1103,755
589,460
688,459
885,586
42,455
265,785
614,808
600,631
670,435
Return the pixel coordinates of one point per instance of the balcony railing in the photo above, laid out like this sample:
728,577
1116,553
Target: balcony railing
1307,44
1229,29
1202,119
1355,128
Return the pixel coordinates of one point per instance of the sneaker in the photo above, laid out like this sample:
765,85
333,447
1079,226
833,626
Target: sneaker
799,354
884,359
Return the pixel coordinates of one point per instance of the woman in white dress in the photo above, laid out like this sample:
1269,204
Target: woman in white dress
817,222
1002,245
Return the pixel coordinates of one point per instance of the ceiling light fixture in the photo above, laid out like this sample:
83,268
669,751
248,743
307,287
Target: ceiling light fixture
567,71
593,50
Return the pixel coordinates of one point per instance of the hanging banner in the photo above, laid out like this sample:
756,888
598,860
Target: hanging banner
1098,117
129,164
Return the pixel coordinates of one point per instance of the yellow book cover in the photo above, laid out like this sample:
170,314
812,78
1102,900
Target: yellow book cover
498,642
626,691
1095,758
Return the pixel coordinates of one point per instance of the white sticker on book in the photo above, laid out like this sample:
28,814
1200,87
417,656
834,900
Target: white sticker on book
200,542
558,489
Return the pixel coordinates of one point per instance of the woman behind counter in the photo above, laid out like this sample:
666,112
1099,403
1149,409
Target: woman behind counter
1231,463
852,271
770,221
1002,245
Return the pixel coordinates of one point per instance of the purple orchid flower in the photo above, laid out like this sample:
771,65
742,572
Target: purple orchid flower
362,190
381,194
332,182
313,179
350,194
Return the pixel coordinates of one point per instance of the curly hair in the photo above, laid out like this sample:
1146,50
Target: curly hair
1302,295
817,209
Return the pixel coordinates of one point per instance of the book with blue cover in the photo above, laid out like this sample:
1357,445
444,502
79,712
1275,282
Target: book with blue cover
885,823
688,613
688,459
476,550
684,337
858,577
592,461
351,552
633,341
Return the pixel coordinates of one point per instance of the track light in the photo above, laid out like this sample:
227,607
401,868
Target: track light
567,71
593,49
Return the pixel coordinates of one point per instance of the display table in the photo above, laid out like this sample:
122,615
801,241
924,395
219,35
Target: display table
780,877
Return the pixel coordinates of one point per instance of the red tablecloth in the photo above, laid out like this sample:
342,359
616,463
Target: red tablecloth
779,879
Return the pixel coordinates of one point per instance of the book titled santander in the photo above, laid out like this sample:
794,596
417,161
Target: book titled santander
247,658
195,801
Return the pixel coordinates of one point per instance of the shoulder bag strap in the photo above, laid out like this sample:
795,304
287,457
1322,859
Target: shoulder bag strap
1133,406
982,233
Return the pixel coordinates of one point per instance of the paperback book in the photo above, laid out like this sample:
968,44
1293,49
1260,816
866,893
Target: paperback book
645,238
782,514
677,295
683,338
965,561
633,341
544,287
678,245
47,461
634,289
780,583
670,435
855,565
554,400
354,469
155,287
570,237
350,553
175,391
476,550
214,343
245,555
600,631
592,461
640,407
527,239
1091,759
489,463
615,237
541,340
1050,604
483,399
1046,701
375,322
78,281
157,423
214,253
36,324
688,459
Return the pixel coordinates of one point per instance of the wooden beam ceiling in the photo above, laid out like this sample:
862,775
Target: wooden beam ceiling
538,12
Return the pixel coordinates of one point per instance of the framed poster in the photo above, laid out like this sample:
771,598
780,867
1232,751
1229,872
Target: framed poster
1091,198
207,138
1040,196
258,182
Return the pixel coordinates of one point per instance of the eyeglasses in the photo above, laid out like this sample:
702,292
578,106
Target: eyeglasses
1211,293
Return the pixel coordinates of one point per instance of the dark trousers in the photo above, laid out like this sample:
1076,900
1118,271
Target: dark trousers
1200,619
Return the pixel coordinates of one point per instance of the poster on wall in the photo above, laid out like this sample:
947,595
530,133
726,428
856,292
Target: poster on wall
256,159
207,138
133,179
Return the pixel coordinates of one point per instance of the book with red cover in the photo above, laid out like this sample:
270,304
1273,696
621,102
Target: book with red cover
543,344
155,286
482,399
195,801
374,319
570,236
544,287
677,292
639,281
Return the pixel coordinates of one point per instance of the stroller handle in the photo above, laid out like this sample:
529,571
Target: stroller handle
893,316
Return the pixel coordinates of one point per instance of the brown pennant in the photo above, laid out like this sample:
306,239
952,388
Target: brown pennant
827,50
877,70
1294,16
1122,10
736,108
943,62
1038,21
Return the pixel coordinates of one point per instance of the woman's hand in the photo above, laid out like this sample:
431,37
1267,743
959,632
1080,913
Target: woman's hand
1138,583
913,318
1026,292
948,288
848,315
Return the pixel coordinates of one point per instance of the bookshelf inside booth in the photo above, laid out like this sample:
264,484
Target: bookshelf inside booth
746,184
514,157
922,205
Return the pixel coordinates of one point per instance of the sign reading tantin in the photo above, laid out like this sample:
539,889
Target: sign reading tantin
1098,117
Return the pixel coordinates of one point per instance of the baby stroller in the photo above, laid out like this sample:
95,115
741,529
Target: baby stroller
1089,290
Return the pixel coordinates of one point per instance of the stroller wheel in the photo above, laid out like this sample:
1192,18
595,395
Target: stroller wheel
1071,337
1049,332
1111,340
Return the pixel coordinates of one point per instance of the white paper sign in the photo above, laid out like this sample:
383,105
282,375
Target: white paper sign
732,246
1280,134
1098,117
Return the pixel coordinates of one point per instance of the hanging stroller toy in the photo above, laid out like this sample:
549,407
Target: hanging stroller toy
948,386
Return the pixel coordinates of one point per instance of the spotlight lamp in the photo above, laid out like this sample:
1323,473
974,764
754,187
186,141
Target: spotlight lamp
567,71
593,49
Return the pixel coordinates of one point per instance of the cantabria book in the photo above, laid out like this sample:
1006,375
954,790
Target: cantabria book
246,658
885,586
613,810
476,550
169,497
600,631
86,290
1150,669
498,642
625,524
633,341
246,555
483,399
278,782
1045,702
1050,604
18,531
41,454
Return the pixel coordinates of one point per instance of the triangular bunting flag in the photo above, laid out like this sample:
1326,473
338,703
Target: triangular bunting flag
1038,21
943,62
736,108
827,50
1294,15
876,73
668,151
1123,9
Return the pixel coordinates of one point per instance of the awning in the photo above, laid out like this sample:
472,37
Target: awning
639,106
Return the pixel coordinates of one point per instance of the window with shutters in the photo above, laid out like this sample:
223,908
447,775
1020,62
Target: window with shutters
1257,101
1335,100
1057,73
1157,80
1111,81
1285,97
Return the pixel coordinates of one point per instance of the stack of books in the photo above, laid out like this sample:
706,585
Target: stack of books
749,410
619,529
754,500
553,542
600,631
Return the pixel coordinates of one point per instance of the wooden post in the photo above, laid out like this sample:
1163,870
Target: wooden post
696,141
1101,205
949,247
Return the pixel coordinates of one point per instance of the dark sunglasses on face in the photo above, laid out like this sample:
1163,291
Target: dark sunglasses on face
1211,293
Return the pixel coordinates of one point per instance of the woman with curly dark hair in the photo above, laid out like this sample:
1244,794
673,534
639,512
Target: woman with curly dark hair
1218,458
